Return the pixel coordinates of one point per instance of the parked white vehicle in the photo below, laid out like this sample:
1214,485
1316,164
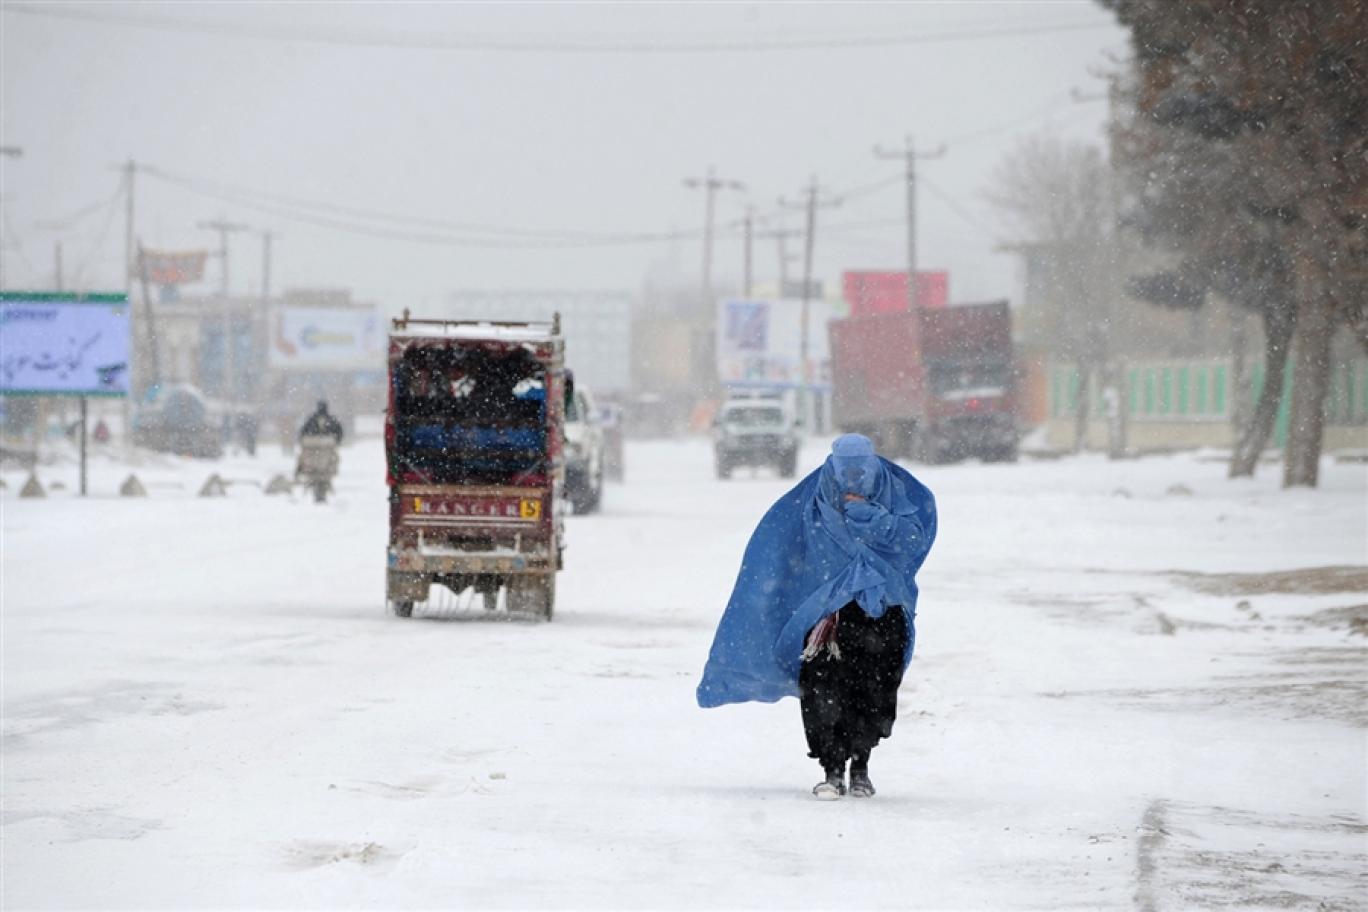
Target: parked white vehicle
583,450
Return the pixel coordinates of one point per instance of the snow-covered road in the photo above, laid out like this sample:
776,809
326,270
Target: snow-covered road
1119,701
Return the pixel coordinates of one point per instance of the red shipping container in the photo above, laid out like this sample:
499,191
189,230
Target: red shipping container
886,292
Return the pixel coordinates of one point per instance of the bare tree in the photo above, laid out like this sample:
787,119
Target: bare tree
1055,196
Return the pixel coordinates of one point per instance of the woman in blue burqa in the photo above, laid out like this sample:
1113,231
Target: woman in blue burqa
824,608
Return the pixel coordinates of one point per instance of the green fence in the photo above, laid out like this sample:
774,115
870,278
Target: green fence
1203,391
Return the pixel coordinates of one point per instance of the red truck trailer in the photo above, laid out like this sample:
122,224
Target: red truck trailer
931,385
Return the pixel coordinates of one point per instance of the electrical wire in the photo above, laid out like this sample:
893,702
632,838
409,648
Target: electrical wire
558,45
13,242
441,239
249,196
71,220
78,277
962,212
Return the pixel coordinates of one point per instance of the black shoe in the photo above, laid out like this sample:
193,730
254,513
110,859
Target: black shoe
830,788
860,786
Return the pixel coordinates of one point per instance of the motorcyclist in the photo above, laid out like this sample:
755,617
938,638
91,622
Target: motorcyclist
322,424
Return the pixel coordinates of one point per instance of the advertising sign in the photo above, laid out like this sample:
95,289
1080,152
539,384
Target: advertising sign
886,292
54,344
327,339
759,342
163,267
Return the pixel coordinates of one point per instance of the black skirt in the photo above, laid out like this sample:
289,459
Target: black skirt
850,703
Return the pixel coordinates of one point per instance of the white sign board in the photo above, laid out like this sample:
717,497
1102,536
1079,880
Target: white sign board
759,342
56,344
327,339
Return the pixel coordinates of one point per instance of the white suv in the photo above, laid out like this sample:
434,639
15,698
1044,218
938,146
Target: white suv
583,450
760,431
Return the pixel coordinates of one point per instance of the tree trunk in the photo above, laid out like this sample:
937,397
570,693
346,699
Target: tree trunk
1279,324
1081,413
1239,369
1310,382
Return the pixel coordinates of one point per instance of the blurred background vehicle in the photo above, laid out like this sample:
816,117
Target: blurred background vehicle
756,431
179,419
584,449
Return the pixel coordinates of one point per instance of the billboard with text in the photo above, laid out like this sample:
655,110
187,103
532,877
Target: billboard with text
54,344
328,339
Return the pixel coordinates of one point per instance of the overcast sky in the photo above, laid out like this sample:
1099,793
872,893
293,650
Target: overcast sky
474,113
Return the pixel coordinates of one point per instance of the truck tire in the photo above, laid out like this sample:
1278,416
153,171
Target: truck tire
533,594
402,608
585,494
1002,454
724,468
593,496
788,464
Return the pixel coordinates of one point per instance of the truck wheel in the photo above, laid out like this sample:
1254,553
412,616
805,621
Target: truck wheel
546,596
402,608
788,464
724,468
533,594
595,496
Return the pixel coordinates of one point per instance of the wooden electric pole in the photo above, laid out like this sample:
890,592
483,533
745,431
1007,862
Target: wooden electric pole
910,156
811,205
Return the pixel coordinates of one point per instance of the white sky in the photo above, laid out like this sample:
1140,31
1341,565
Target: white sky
577,142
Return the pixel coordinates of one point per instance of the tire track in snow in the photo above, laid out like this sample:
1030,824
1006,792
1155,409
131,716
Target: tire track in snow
1147,849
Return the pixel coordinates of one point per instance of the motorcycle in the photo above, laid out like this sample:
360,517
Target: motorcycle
317,465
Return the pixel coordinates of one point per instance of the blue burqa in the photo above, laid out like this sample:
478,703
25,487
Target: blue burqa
814,552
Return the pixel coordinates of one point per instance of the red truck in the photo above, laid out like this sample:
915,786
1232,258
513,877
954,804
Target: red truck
932,385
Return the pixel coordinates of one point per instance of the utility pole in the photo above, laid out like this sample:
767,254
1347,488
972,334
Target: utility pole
266,237
813,202
130,170
748,273
910,156
57,267
779,234
224,228
709,184
265,321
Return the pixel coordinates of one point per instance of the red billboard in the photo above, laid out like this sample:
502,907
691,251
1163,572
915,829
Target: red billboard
886,292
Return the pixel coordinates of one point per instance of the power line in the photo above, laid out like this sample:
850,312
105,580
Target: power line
78,279
558,45
297,209
250,196
1055,103
962,212
72,219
